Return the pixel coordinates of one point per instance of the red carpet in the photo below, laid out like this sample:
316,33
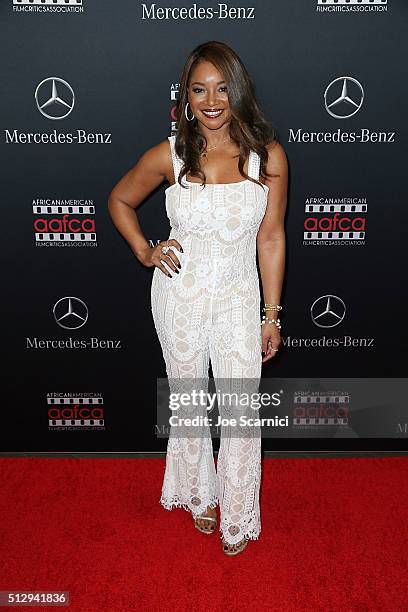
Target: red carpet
334,538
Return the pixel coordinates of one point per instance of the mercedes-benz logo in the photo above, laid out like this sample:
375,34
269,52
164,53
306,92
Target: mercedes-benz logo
328,311
55,95
70,312
343,97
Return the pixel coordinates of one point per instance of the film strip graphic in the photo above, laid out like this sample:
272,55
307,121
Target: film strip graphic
316,400
63,210
64,236
82,237
50,2
335,208
352,2
333,235
75,401
72,401
75,422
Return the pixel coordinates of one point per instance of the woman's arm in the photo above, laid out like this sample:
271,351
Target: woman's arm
271,243
149,172
271,235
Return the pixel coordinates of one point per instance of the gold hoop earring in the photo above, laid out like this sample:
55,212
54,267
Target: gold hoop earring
185,112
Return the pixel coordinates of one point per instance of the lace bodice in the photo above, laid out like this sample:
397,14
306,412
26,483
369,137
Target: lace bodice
217,226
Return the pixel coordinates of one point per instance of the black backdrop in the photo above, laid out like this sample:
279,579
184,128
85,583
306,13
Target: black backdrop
115,68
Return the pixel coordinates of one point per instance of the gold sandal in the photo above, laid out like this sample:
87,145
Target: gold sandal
234,549
209,530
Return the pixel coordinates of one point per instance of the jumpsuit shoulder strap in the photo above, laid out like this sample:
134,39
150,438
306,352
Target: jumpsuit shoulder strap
254,162
177,162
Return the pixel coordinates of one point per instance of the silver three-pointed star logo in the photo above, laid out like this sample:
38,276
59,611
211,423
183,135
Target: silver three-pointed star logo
55,98
328,311
343,97
70,312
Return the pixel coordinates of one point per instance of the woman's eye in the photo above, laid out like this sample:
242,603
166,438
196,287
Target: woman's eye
199,89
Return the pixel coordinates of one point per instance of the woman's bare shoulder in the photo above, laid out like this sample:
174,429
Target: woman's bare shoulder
159,157
159,152
277,159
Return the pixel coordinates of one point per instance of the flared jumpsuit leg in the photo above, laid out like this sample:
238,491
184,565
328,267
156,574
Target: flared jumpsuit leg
227,334
190,477
236,359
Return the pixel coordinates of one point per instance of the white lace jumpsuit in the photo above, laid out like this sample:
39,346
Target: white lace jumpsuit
211,311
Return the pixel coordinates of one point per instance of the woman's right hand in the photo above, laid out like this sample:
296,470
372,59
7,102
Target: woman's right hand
155,257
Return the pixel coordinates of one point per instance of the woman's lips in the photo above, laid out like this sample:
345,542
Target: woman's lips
212,114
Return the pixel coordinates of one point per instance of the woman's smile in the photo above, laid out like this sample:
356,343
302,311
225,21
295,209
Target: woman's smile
212,114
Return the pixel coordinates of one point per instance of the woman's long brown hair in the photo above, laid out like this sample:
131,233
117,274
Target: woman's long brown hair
248,128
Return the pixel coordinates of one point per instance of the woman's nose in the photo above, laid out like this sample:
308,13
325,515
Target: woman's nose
211,98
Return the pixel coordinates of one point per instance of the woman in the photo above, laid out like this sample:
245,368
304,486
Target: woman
226,201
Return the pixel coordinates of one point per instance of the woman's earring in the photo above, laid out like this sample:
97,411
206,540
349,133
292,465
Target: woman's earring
185,112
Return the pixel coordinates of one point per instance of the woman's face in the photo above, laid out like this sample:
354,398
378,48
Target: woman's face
208,92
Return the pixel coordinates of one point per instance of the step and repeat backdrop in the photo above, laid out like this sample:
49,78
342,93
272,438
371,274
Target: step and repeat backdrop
87,87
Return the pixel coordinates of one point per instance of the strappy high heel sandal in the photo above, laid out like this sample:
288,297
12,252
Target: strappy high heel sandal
234,549
210,528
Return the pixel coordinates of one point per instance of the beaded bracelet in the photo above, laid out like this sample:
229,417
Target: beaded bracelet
270,321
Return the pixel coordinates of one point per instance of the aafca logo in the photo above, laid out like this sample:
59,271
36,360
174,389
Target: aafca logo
174,91
316,410
335,221
48,6
75,411
64,223
343,97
